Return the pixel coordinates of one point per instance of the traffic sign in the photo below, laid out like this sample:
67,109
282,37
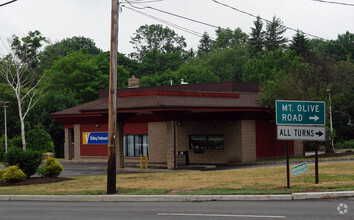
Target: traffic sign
304,133
300,112
299,169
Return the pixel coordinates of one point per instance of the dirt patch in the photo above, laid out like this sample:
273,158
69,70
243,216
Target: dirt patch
36,180
346,153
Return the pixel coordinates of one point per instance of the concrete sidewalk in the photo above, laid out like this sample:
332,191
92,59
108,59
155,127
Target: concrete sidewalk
176,198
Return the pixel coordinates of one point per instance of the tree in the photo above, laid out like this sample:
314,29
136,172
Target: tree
226,38
274,34
27,49
156,62
204,44
51,102
256,39
342,49
155,36
269,65
306,81
227,63
62,48
300,44
18,69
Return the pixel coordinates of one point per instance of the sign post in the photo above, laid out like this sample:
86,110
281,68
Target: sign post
300,120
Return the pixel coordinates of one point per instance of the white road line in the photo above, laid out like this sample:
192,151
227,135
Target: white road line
219,215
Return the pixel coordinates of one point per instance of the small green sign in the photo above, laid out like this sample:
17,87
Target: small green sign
300,113
299,169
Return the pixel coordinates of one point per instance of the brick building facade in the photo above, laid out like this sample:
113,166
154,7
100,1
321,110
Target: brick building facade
214,123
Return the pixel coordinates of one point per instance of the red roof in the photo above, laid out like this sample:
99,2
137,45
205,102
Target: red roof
217,96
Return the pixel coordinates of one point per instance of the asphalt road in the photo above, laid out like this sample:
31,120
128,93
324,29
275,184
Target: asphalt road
306,209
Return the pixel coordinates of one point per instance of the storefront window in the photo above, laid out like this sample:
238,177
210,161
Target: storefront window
135,144
206,142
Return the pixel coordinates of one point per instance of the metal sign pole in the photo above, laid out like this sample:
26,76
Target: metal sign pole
287,165
316,163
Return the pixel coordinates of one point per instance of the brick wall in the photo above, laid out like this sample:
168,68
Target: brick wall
68,144
230,131
248,140
119,146
77,141
298,148
157,142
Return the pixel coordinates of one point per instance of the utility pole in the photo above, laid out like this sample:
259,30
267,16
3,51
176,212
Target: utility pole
112,104
4,104
330,118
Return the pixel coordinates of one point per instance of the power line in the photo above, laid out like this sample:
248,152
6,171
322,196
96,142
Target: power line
173,14
8,3
330,2
167,23
268,21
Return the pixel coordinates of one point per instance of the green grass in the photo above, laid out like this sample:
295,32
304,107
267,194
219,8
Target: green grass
337,176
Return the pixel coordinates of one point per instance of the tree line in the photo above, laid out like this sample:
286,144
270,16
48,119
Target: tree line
71,71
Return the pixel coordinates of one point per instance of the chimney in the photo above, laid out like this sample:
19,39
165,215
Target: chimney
133,82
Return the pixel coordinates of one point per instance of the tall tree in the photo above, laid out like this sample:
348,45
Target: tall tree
274,34
269,65
227,38
256,39
155,36
62,48
27,49
204,44
19,70
307,81
300,44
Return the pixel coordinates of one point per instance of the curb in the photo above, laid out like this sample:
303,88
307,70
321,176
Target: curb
176,198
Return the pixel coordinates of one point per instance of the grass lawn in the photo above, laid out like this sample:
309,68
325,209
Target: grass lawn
335,176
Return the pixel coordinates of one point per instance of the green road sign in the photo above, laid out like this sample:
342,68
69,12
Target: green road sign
299,169
300,112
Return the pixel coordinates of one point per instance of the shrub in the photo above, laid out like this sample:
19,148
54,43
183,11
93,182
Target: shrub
349,144
41,171
2,171
28,160
13,174
2,147
14,142
40,140
51,168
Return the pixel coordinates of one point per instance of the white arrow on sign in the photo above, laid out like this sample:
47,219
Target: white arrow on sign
314,118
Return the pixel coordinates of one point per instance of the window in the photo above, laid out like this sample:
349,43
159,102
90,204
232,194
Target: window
206,142
135,144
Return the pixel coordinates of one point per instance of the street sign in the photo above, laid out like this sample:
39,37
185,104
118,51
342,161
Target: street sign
300,113
299,169
305,133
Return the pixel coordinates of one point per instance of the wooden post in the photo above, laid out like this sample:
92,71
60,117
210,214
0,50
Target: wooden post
112,104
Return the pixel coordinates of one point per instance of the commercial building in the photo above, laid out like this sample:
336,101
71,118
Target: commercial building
212,123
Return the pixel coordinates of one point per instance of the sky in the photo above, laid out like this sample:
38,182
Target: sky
60,19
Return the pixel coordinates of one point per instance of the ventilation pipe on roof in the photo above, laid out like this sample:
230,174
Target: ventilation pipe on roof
183,82
133,82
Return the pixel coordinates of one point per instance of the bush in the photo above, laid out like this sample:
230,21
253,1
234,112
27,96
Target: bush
51,168
40,140
13,174
2,171
14,142
41,171
2,147
28,160
349,144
